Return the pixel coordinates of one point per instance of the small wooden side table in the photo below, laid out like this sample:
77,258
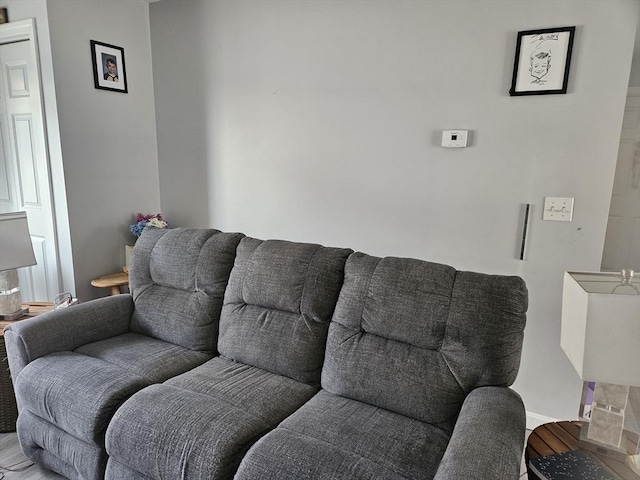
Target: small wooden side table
561,437
8,407
113,281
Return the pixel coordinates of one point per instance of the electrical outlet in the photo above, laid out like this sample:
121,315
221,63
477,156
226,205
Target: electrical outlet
559,209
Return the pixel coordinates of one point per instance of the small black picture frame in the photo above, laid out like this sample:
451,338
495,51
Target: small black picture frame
109,71
543,57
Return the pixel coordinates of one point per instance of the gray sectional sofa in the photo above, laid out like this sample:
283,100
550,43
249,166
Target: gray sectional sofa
235,357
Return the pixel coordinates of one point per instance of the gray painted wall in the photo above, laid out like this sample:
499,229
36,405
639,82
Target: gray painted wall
320,121
108,138
634,78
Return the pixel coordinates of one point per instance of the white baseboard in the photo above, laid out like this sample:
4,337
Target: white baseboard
535,420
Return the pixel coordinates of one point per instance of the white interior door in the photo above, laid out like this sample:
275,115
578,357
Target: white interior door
24,166
622,243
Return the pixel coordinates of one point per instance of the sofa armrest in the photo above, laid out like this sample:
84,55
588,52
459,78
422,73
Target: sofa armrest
66,329
488,438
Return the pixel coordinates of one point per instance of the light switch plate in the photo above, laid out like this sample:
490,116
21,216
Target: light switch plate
559,209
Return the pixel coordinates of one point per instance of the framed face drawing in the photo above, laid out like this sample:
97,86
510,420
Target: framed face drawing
109,72
542,61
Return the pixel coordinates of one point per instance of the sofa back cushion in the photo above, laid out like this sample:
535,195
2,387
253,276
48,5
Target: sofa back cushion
278,306
415,337
177,278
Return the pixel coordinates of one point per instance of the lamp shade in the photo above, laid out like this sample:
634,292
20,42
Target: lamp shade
16,249
600,332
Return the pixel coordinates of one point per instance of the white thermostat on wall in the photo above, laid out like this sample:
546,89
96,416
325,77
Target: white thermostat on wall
454,138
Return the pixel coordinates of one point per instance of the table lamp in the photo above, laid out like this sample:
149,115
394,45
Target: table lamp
16,251
600,334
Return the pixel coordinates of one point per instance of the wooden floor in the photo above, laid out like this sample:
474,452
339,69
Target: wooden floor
11,456
12,459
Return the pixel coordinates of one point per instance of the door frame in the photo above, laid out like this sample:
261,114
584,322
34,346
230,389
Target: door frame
20,31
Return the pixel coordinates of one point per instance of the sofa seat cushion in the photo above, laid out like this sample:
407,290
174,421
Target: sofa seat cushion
333,437
117,470
79,391
199,425
153,359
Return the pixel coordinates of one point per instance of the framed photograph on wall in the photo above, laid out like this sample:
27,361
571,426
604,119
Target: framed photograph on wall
109,72
542,61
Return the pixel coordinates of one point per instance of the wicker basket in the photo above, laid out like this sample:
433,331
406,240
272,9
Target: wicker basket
8,407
